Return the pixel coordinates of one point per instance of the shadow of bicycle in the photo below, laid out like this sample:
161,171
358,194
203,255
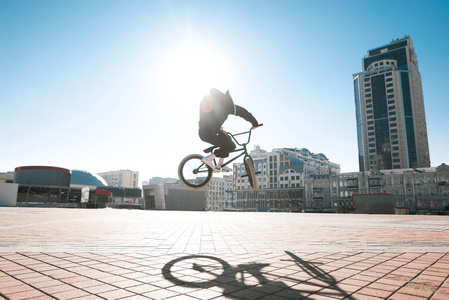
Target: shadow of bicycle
250,280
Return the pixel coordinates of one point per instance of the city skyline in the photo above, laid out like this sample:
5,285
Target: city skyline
109,85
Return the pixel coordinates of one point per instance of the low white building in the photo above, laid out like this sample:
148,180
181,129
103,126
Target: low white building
121,178
173,197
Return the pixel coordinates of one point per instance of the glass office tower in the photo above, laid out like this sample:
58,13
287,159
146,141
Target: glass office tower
391,122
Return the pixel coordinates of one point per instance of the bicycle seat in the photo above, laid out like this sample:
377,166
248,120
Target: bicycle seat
210,149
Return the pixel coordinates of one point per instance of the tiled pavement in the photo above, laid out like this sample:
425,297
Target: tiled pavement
124,254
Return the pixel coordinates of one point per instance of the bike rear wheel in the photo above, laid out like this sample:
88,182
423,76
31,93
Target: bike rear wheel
249,167
193,173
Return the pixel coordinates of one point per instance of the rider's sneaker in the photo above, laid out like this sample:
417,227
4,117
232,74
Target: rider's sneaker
226,169
208,160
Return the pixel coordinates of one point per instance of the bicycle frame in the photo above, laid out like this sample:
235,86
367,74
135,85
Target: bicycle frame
243,145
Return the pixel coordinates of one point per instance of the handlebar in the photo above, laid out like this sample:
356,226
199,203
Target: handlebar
249,135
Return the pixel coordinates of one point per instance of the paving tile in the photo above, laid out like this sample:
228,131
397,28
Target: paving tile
400,296
416,291
116,294
98,289
187,297
355,282
374,292
383,286
27,294
58,288
358,296
16,289
160,294
70,294
204,294
250,294
142,288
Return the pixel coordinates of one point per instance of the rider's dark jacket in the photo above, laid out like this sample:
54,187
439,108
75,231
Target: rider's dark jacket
215,109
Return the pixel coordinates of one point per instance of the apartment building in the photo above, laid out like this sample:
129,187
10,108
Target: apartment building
281,178
391,122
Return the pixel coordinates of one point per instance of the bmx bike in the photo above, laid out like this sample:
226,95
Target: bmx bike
195,174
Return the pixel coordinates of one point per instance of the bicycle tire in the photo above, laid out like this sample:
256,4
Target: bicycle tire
249,167
193,173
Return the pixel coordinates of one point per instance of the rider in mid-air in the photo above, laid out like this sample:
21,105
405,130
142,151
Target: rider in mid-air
214,110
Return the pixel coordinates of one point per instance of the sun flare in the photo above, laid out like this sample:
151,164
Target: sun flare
188,72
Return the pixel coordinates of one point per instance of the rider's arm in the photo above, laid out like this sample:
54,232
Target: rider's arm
243,113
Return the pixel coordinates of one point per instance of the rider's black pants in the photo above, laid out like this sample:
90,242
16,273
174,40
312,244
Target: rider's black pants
218,139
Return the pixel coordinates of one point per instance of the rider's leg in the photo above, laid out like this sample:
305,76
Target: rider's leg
209,160
226,146
224,168
223,141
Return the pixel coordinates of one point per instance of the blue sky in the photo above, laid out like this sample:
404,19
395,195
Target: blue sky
108,85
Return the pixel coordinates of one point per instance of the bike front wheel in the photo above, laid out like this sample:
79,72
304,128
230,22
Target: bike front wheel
249,167
193,173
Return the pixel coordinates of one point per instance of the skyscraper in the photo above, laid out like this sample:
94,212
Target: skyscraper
391,122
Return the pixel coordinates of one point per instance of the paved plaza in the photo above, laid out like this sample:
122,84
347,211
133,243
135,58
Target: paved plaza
51,253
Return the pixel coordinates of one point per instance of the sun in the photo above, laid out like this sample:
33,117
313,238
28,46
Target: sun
188,71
